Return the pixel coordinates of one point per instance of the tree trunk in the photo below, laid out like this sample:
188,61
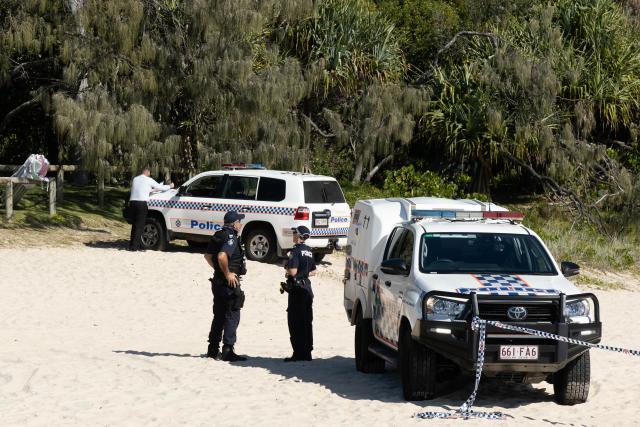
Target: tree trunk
481,177
357,173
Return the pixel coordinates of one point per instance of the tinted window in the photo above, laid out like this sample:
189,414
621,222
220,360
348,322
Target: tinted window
241,188
405,251
323,192
208,186
394,244
484,253
271,189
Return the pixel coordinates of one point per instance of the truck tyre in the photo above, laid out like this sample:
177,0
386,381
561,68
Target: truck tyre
260,245
366,361
417,368
154,236
571,383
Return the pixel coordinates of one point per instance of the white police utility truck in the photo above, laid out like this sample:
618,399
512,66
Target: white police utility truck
272,201
418,270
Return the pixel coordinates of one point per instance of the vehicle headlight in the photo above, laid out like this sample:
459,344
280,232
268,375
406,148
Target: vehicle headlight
442,309
577,311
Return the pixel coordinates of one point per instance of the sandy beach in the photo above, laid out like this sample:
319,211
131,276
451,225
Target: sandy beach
93,335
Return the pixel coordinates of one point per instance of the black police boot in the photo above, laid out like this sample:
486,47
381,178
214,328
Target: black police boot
294,358
213,352
228,354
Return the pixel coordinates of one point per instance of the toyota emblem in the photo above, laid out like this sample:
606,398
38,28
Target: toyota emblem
517,313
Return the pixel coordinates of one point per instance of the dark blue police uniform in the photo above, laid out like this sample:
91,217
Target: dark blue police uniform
226,318
300,307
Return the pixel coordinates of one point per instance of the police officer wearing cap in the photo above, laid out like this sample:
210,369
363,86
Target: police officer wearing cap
299,311
226,257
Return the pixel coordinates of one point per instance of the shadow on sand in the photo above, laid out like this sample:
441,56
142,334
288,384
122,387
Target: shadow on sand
148,354
338,375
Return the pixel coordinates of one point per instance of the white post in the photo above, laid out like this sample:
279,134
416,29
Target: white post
101,192
52,198
60,185
9,201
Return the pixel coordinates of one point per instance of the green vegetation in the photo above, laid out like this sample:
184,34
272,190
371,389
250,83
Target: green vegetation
483,99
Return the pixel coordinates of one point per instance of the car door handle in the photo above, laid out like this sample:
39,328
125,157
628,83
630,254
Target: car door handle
388,283
245,209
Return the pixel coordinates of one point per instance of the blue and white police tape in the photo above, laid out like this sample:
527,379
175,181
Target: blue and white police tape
465,411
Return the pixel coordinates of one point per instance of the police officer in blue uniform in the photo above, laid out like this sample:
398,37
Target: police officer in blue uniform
299,311
226,257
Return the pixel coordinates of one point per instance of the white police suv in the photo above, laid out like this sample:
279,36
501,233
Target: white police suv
419,270
272,201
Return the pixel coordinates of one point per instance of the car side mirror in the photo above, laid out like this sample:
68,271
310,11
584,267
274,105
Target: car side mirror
182,191
394,266
569,269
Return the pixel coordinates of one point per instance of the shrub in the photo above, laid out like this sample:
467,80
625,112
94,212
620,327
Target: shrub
407,182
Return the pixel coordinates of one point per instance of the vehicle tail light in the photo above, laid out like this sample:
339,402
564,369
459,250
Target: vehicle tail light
302,213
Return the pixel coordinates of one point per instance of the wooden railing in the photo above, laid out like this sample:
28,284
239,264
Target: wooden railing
55,187
56,191
8,196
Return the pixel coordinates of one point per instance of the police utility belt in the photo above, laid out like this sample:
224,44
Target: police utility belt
293,283
236,299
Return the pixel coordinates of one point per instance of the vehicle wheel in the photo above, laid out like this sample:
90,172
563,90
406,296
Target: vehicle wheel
154,235
417,368
318,257
571,383
366,361
260,245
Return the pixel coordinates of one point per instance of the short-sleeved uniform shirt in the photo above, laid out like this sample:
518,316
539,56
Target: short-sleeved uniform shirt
301,258
230,246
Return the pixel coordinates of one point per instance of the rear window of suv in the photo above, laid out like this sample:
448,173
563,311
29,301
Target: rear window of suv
323,192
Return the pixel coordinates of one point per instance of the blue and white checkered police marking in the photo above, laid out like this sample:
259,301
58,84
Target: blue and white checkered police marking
509,290
329,231
220,207
465,411
499,280
385,316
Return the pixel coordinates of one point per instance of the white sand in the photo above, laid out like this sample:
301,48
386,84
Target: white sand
100,336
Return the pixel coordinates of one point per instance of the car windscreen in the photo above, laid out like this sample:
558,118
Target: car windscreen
323,192
483,253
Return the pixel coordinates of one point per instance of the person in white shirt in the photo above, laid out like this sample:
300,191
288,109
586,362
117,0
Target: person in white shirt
141,188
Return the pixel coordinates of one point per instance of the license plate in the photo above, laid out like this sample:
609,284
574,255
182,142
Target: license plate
322,222
519,352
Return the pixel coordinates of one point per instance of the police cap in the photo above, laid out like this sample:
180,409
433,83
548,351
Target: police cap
303,231
232,216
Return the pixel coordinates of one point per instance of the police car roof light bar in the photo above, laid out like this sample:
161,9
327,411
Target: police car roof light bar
424,213
504,215
234,166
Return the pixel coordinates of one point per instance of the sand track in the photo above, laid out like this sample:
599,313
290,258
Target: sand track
101,336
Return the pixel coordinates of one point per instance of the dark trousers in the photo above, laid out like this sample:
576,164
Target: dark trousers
225,320
300,320
139,211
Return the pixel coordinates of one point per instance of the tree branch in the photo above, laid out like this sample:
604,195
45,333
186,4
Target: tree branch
377,167
317,128
495,40
560,190
620,144
7,119
21,68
